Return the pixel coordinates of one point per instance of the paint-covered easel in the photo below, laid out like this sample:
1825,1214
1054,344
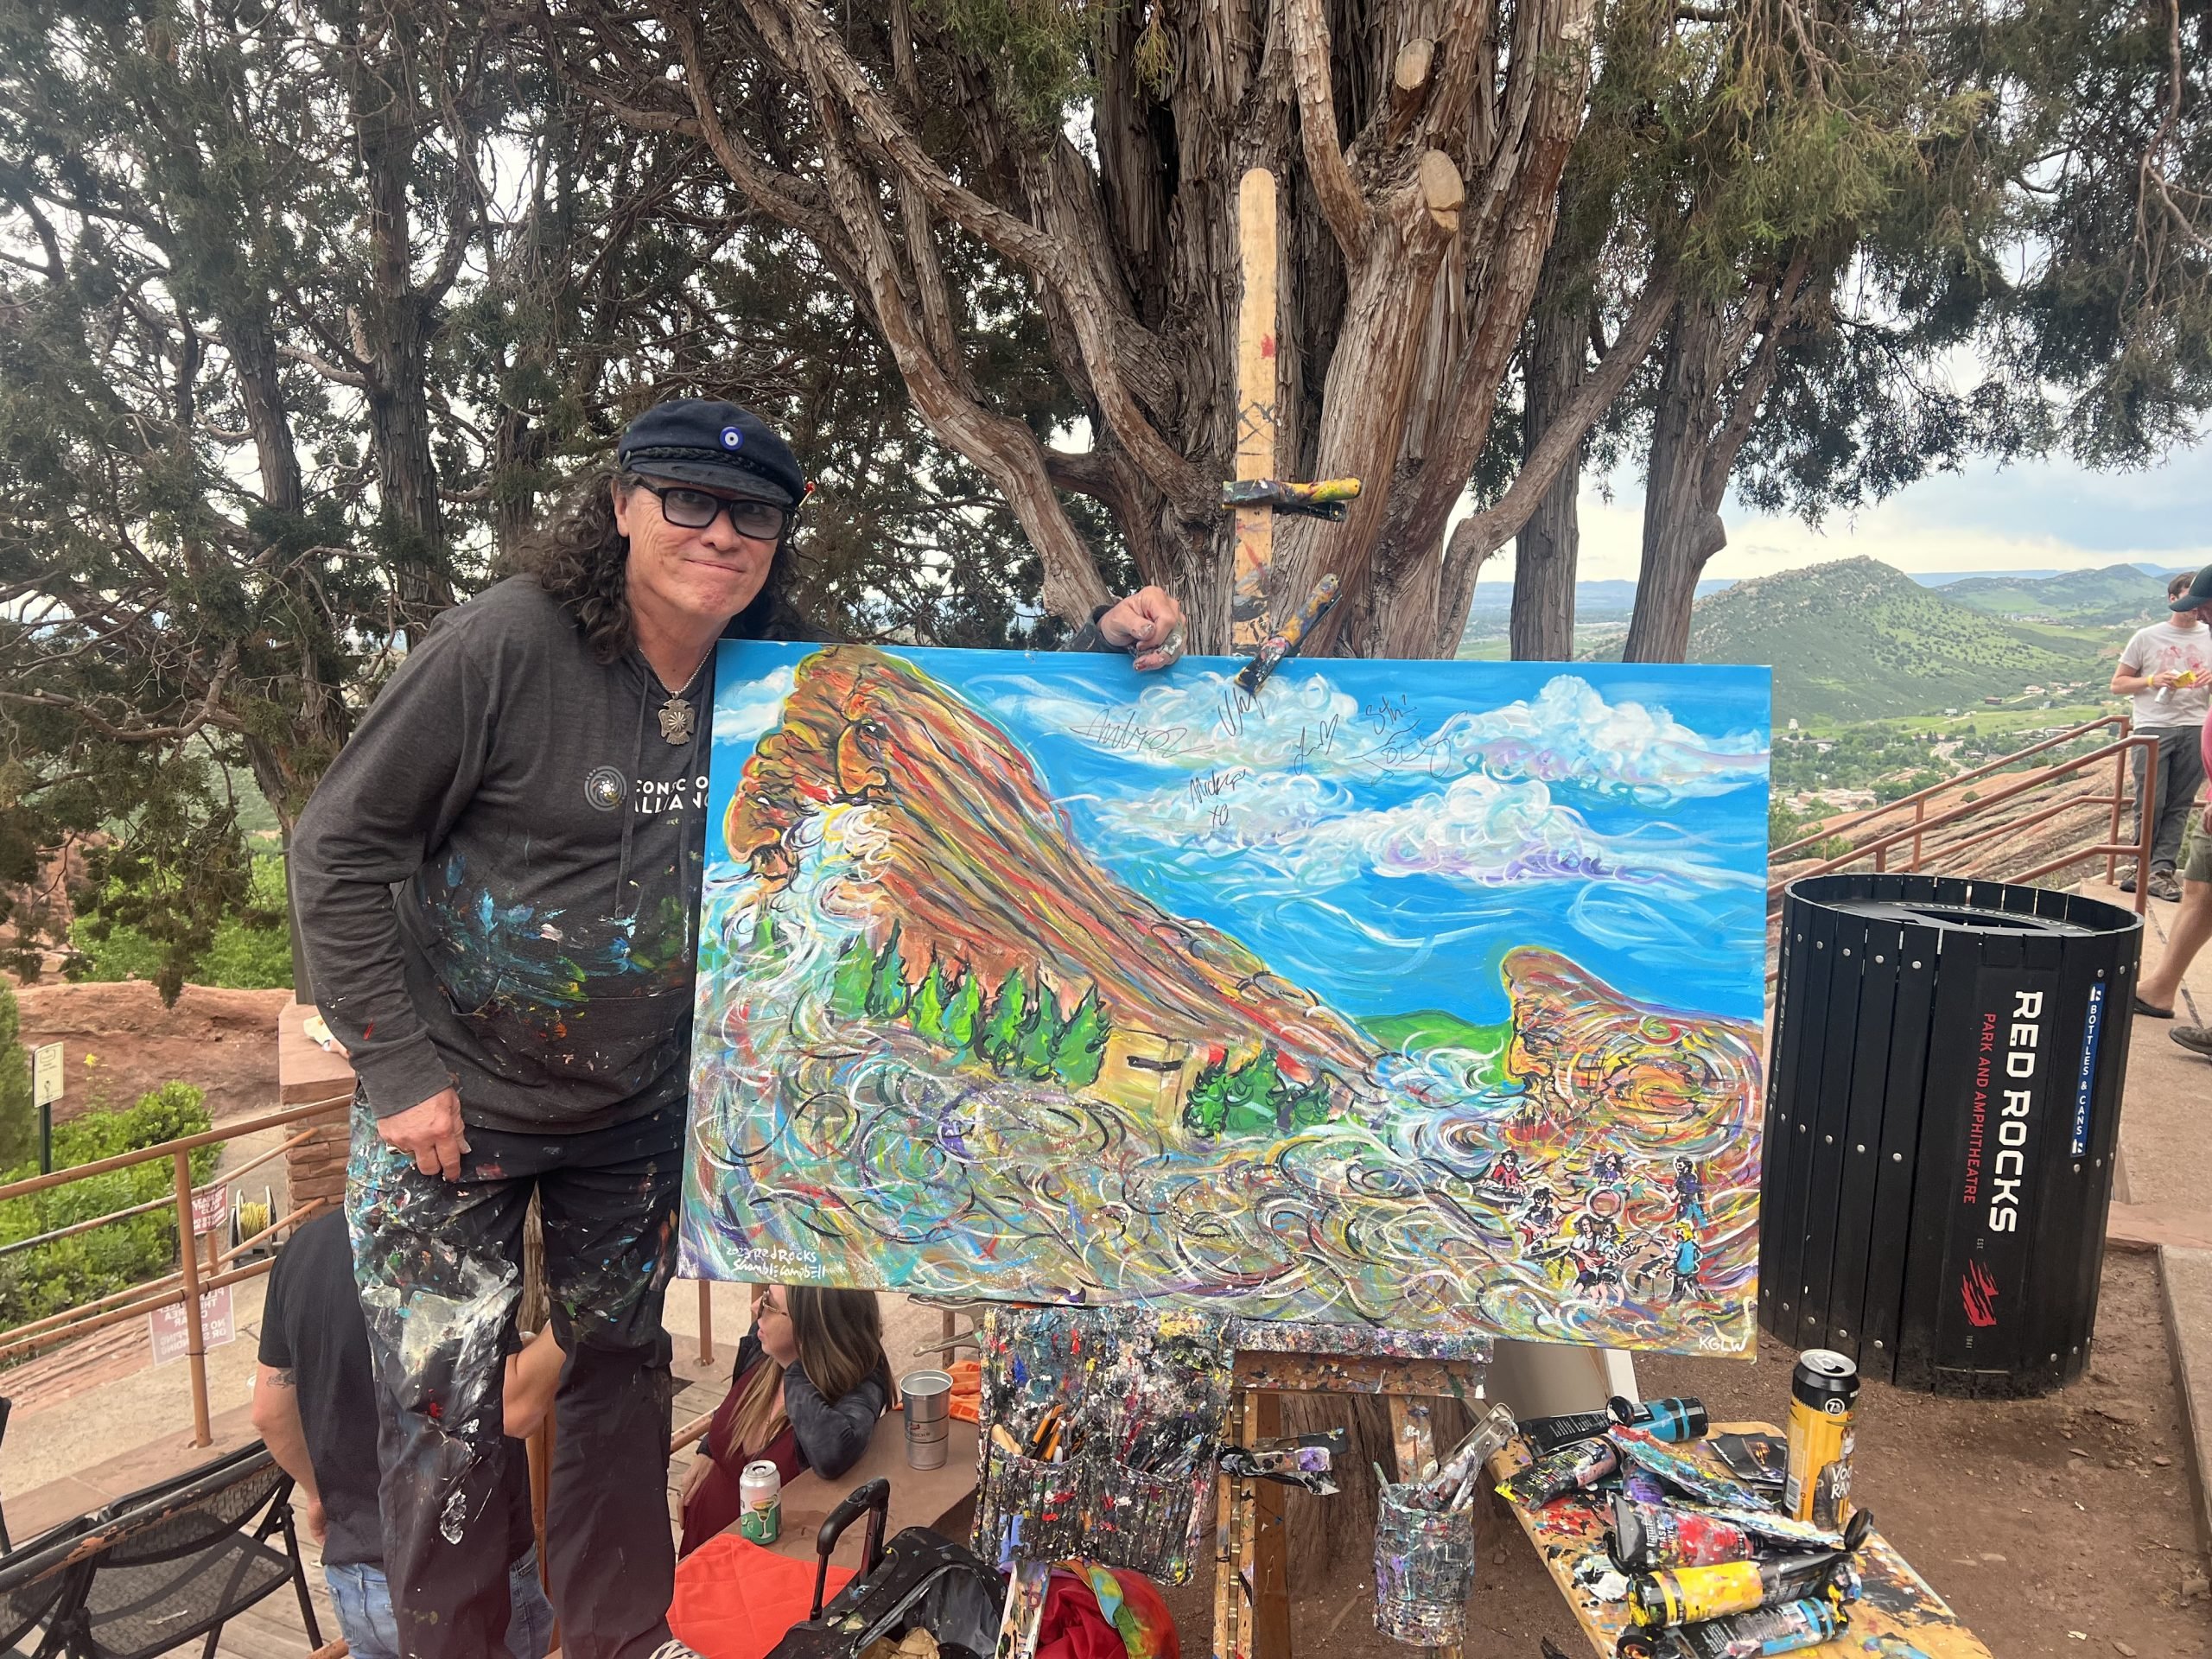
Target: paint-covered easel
1251,1591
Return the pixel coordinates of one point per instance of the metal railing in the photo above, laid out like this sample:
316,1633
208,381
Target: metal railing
185,1287
1925,825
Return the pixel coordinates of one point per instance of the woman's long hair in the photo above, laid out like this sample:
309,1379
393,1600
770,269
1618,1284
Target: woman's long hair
839,1334
582,560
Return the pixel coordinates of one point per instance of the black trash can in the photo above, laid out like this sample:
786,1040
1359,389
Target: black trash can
1942,1108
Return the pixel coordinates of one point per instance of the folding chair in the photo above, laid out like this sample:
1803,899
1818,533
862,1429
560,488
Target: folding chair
41,1585
177,1561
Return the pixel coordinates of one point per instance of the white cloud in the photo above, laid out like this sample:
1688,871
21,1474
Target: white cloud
746,710
1479,829
1568,733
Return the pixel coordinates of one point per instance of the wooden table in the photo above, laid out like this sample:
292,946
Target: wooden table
1896,1616
919,1497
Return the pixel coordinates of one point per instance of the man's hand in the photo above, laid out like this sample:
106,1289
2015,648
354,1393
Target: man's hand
318,1522
2164,677
430,1133
1148,624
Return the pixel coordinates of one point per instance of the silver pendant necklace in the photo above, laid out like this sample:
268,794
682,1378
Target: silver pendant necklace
677,716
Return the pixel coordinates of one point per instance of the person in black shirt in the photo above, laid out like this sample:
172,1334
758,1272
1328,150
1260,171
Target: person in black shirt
314,1403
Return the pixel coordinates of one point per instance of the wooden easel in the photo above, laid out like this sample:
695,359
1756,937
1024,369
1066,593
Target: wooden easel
1251,1589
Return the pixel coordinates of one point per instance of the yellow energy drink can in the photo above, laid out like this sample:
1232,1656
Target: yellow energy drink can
1823,1389
1689,1595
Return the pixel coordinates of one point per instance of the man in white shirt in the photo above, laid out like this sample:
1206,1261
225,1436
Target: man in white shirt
2167,669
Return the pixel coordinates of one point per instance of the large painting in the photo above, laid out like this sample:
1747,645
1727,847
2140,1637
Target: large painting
1423,996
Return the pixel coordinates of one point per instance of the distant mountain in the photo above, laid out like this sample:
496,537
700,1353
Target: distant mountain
1858,640
2119,593
1593,600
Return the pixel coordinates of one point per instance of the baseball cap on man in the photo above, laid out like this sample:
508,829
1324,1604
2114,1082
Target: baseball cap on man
2200,592
707,442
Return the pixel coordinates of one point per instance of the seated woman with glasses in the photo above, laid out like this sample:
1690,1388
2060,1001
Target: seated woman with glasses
810,1380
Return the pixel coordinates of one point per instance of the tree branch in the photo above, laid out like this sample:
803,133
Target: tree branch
1342,205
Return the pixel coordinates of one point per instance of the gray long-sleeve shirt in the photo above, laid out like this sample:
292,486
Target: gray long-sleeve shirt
497,881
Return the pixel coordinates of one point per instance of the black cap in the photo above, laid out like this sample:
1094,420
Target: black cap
2200,592
701,440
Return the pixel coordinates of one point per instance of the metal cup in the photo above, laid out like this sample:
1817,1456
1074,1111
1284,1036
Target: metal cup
928,1395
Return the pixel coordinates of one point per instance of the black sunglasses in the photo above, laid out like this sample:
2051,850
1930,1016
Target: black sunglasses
690,509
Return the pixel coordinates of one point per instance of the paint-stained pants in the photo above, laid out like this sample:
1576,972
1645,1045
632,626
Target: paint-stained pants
440,1267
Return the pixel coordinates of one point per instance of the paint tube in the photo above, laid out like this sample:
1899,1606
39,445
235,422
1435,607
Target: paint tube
1571,1468
1647,1536
1772,1528
1671,1419
1546,1435
1689,1595
1786,1629
1686,1474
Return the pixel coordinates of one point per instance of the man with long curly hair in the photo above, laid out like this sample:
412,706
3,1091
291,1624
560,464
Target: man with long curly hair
498,884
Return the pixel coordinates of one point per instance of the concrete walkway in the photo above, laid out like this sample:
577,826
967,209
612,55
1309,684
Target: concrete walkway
2161,1200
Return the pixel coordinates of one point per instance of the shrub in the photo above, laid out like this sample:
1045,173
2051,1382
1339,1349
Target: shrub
69,1272
18,1116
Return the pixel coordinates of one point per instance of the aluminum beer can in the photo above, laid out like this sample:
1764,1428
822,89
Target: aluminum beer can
1823,1388
760,1500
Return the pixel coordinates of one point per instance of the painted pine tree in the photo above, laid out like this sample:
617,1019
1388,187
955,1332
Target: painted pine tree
963,1015
999,1038
927,1010
848,986
1206,1111
1081,1049
1252,1090
887,992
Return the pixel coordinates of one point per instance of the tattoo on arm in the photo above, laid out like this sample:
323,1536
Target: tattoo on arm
283,1379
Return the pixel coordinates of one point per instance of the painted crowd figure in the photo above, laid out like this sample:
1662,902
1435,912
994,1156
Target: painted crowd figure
497,889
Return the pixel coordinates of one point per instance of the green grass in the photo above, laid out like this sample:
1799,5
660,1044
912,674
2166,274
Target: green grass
1413,1033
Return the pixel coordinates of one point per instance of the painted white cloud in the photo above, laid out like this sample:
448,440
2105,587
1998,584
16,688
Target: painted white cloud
746,711
1479,829
1200,723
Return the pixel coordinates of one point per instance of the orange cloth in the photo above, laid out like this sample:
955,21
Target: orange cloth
967,1391
736,1600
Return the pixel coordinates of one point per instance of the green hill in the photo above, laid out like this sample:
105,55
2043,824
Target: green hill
1858,640
2119,593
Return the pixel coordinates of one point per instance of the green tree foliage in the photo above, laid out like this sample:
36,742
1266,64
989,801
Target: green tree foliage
963,1016
18,1116
1205,1110
926,1012
1254,1098
849,985
1080,1049
998,1040
887,984
1039,1039
69,1272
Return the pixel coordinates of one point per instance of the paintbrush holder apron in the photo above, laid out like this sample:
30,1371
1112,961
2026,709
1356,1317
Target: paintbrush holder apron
1424,1571
1031,1511
1150,1524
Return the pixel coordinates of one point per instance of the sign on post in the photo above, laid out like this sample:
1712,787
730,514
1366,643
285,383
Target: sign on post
46,1073
211,1208
46,1090
171,1332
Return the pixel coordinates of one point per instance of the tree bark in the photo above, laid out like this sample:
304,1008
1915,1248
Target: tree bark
1546,552
1682,499
390,327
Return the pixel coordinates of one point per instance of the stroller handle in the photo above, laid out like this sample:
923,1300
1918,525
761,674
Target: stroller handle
873,1499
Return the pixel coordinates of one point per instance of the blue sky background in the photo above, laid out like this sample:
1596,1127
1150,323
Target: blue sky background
1384,832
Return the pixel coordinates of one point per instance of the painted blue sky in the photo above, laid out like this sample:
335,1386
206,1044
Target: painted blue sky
1384,832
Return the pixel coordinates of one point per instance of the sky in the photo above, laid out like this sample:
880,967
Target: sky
2043,515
